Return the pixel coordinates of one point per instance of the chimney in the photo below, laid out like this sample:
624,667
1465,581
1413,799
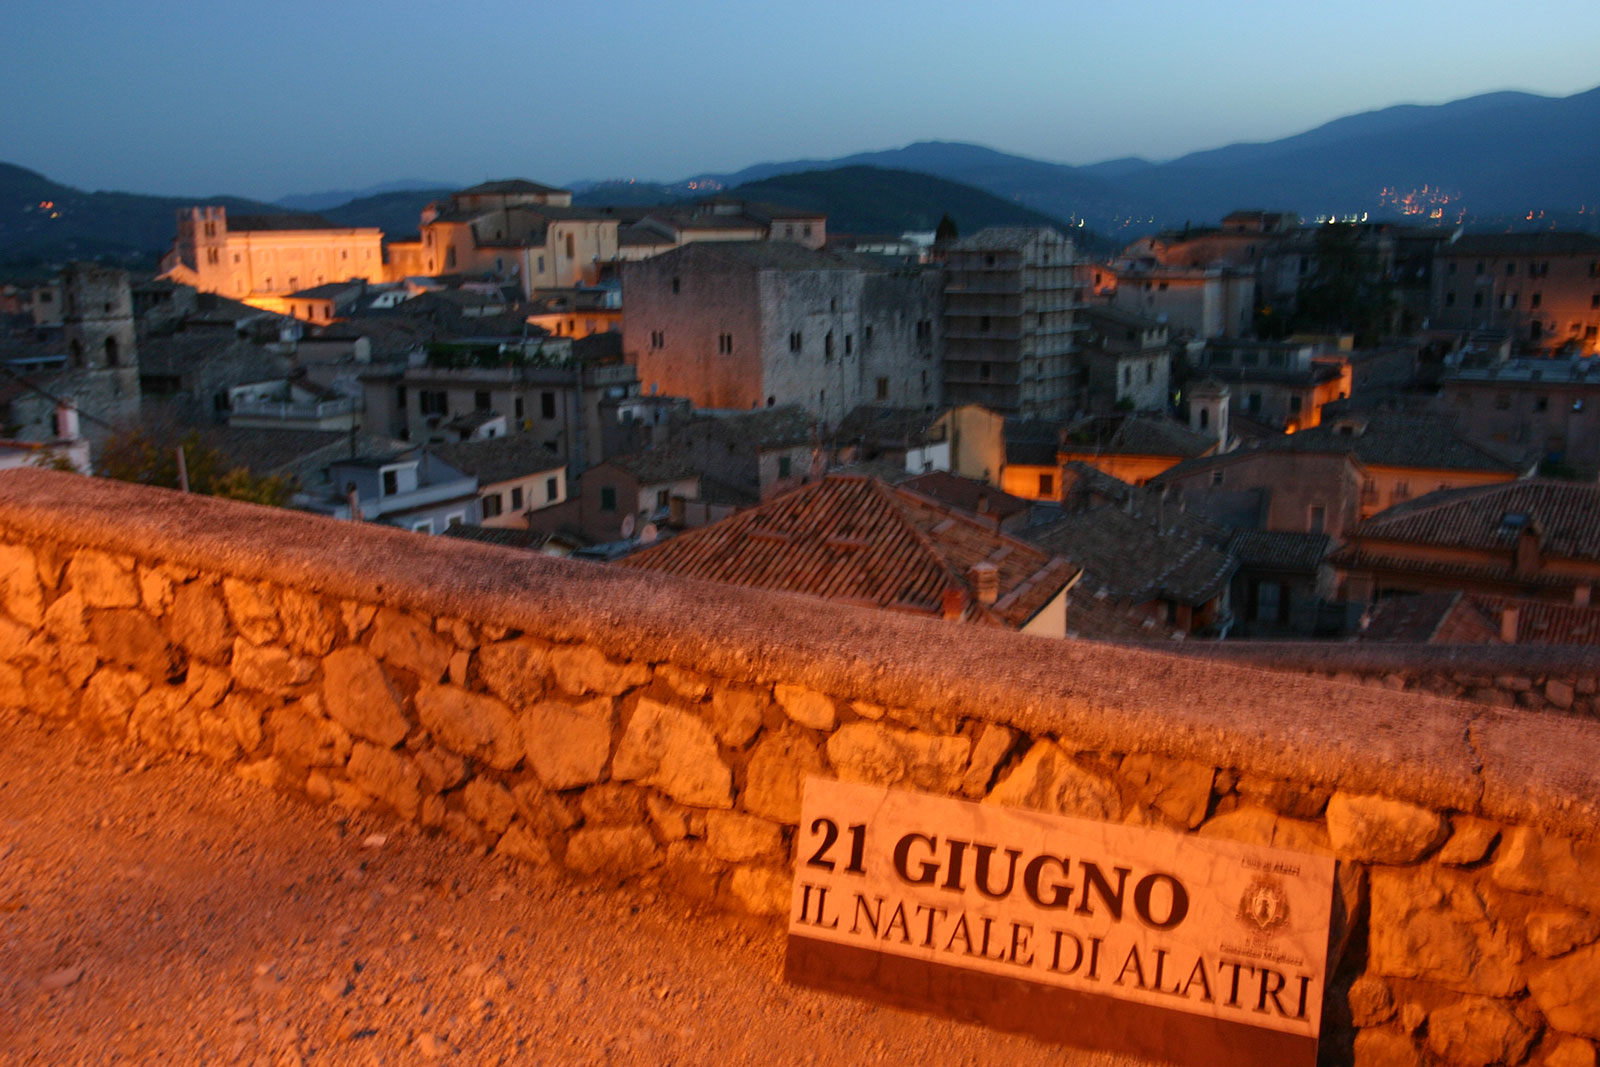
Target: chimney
985,579
1528,543
952,603
1508,625
983,503
1581,595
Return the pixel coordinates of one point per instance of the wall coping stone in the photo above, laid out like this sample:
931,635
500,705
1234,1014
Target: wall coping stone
1400,656
1526,767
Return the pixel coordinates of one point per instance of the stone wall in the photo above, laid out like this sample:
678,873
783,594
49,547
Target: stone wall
629,726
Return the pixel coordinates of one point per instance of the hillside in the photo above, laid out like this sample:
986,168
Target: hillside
396,213
126,227
874,200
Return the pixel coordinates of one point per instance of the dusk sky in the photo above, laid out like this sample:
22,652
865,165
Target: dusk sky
264,99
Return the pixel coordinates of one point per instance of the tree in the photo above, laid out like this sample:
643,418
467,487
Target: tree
946,230
1347,293
135,456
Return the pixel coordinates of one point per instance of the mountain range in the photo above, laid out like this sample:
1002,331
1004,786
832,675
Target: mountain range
1495,161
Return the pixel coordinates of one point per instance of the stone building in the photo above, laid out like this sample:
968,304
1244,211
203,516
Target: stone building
1542,287
261,259
1127,362
750,324
1011,303
1550,407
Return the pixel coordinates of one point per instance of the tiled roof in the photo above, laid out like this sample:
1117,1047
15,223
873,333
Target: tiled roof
1135,435
499,535
656,465
1080,477
759,255
1140,557
1357,557
885,425
857,539
1485,518
1475,618
327,291
1521,244
499,459
1392,439
777,427
967,494
1279,549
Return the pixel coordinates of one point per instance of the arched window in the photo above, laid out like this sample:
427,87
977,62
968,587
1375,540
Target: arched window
112,353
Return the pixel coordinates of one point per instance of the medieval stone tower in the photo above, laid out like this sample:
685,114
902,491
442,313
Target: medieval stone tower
102,372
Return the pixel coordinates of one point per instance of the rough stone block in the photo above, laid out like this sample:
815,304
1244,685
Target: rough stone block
1371,1001
760,890
476,726
356,617
300,733
198,621
737,837
521,843
387,775
66,618
361,697
515,671
1568,992
1542,863
689,872
269,772
580,669
155,589
253,609
163,719
613,804
1049,780
441,768
206,685
616,852
1258,826
1568,1052
458,630
1470,841
736,715
1557,931
674,752
103,580
775,776
110,696
1478,1032
806,706
409,644
547,813
489,803
1379,830
308,626
568,745
1431,924
1178,789
1385,1048
131,638
884,755
1294,799
994,744
668,819
269,668
21,593
686,684
1558,693
243,714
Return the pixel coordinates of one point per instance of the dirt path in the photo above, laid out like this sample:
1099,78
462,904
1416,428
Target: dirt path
163,913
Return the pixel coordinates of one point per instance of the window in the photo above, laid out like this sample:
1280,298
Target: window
1477,300
827,346
1594,301
1216,476
663,499
1511,270
1502,401
572,252
883,389
518,407
480,400
983,323
785,466
833,303
516,498
1535,300
795,341
400,397
391,483
540,267
1317,519
822,398
551,488
1294,405
806,230
1047,485
866,337
1450,300
924,329
608,498
1253,402
547,405
658,339
1450,268
1541,403
849,343
725,343
425,526
432,402
1149,373
491,505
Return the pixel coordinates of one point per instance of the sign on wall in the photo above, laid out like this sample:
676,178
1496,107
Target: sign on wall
1098,935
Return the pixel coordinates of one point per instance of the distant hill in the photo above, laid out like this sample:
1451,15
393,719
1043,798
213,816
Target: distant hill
1496,156
875,200
320,202
630,194
125,227
396,213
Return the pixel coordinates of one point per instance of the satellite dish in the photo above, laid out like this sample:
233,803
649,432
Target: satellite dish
627,525
648,535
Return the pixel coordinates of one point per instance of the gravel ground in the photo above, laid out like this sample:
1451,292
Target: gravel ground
156,911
